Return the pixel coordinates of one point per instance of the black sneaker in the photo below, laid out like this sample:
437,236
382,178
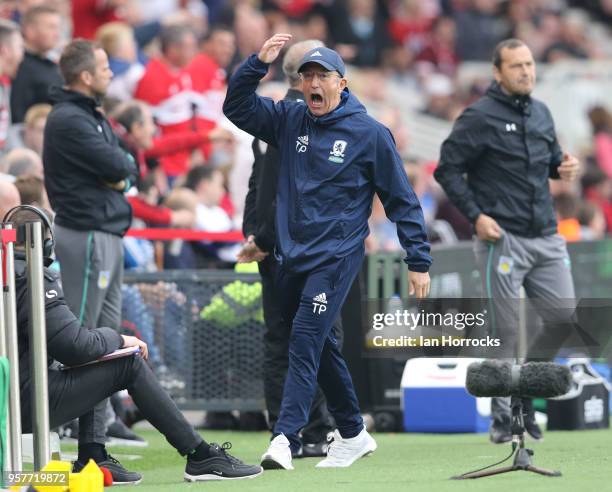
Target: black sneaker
499,435
219,466
531,426
533,429
119,434
120,475
313,450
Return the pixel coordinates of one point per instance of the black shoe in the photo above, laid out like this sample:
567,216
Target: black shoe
219,466
119,434
531,426
120,475
533,429
220,421
313,450
499,435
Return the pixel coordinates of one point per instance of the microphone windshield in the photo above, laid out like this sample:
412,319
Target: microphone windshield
495,378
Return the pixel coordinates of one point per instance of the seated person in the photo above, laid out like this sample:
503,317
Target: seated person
74,392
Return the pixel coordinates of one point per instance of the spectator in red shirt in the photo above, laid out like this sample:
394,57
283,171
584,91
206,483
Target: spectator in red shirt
597,189
137,131
439,49
410,22
220,45
167,86
89,15
208,74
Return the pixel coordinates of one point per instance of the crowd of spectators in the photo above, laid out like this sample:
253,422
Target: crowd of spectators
171,60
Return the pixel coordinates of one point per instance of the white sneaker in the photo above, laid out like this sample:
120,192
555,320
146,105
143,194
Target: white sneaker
278,455
344,452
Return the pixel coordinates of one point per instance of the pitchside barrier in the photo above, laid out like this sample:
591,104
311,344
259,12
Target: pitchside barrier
205,328
10,428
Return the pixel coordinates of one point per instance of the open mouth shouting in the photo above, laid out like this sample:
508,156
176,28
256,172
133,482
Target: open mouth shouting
315,102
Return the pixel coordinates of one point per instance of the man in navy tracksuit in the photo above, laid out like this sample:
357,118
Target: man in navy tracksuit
333,157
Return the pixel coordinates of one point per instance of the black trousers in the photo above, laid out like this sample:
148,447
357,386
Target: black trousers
75,392
276,358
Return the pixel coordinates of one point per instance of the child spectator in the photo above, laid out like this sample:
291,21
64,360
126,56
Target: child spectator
117,39
30,133
207,183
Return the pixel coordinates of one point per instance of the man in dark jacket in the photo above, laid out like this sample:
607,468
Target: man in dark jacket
74,392
258,229
37,72
85,174
333,158
505,144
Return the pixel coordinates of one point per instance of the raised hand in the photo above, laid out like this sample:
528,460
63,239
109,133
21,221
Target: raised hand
272,47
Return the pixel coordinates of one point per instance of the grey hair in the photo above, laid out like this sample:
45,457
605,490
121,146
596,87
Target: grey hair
293,57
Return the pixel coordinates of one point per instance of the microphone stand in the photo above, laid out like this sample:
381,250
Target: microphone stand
522,455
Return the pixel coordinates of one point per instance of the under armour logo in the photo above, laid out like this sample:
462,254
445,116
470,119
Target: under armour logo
510,127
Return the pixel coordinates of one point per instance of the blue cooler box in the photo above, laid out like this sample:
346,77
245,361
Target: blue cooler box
434,398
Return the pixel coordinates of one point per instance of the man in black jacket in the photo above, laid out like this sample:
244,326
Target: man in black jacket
86,173
37,72
74,392
506,145
258,228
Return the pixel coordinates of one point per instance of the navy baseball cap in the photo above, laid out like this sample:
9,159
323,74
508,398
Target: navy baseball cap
327,58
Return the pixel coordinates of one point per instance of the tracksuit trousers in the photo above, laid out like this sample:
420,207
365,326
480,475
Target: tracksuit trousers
91,266
541,265
276,359
313,301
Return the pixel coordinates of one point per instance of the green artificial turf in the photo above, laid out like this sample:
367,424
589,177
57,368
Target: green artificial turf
403,462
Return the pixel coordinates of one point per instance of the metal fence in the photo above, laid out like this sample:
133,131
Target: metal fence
205,334
205,328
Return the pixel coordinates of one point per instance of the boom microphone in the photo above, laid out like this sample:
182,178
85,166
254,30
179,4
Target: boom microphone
531,380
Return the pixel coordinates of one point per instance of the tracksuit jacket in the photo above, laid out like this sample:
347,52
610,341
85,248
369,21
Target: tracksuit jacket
507,147
80,154
330,167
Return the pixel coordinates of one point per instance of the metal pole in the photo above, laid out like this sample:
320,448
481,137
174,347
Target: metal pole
3,346
4,353
38,345
522,326
10,317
